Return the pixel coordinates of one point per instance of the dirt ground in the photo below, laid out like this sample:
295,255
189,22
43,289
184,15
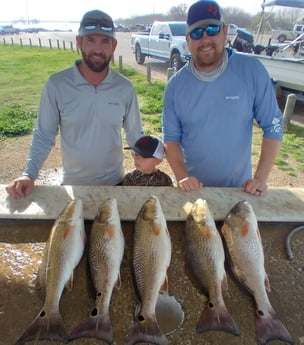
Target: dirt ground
21,245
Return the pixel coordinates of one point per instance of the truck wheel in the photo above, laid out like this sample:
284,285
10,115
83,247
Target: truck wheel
176,62
282,38
139,57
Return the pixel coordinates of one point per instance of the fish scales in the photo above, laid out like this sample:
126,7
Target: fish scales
205,262
151,259
106,249
63,252
245,251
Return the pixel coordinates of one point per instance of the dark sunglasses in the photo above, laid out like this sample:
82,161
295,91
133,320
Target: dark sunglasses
211,30
91,27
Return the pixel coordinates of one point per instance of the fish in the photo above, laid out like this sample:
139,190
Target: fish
246,256
63,252
106,250
204,258
152,250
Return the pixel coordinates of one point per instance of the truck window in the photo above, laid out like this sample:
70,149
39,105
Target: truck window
178,29
156,29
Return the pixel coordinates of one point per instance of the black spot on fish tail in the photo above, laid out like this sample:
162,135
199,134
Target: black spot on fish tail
97,326
271,328
44,327
216,319
145,330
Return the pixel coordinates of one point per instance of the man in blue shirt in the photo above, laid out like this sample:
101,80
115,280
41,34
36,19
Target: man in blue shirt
210,106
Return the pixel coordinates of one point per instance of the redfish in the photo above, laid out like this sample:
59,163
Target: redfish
63,252
151,259
245,250
205,259
106,249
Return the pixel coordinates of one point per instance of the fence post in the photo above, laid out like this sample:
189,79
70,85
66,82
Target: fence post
21,43
63,42
30,42
58,45
4,42
39,40
50,43
170,72
12,40
289,109
71,45
120,64
149,72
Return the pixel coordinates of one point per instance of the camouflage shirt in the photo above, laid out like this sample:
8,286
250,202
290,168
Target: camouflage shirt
137,178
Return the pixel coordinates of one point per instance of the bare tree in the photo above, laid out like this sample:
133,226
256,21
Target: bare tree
237,16
178,12
284,18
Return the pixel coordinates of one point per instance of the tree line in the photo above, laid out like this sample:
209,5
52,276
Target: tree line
283,18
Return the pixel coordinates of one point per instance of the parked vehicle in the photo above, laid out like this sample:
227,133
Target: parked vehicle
8,29
166,41
138,27
287,35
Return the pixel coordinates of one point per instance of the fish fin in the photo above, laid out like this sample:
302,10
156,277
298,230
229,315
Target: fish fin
245,228
111,230
118,282
97,326
271,328
165,286
67,230
207,232
44,327
145,330
69,283
156,229
225,283
267,283
216,319
259,234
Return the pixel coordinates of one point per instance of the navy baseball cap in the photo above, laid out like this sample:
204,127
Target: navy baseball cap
204,12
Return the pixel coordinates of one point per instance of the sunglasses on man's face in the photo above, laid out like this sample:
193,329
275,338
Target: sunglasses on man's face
211,30
91,27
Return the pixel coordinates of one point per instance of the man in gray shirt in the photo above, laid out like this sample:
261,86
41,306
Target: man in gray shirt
89,104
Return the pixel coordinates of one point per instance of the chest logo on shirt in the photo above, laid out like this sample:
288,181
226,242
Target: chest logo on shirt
233,97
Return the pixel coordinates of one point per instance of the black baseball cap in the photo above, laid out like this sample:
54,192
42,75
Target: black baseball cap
148,146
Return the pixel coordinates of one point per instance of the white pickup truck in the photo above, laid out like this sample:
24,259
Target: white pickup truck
166,41
287,35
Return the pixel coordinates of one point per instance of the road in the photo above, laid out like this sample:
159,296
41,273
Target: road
158,69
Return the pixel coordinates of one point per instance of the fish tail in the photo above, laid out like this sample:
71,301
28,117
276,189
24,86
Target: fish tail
271,328
217,319
96,326
45,327
146,330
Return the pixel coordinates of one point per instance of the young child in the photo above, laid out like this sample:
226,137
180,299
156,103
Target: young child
148,153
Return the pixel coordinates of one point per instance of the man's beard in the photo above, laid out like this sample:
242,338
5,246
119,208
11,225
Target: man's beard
94,66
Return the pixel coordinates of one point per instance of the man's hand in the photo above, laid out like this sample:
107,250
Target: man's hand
189,183
20,187
255,187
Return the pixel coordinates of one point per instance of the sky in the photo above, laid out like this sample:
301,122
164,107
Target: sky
72,10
